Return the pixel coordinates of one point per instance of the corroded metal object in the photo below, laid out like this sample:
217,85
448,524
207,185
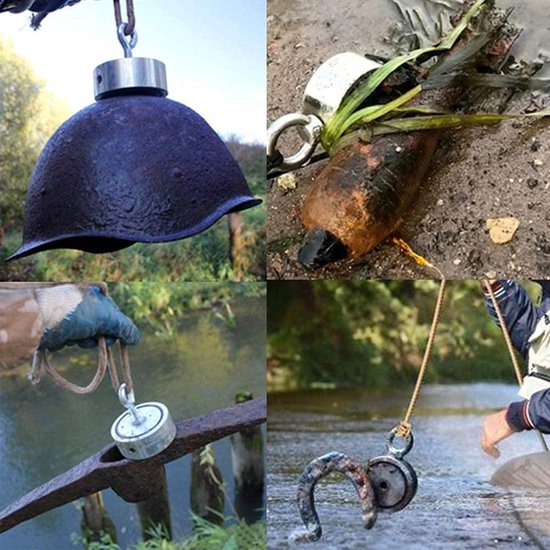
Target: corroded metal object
394,481
134,481
133,167
362,195
322,467
366,190
130,169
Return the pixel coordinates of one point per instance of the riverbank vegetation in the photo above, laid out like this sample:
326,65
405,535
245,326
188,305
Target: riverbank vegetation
160,306
339,334
207,536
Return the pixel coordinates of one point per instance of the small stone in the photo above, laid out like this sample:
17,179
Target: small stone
491,274
457,261
537,162
398,149
502,230
535,146
440,202
286,182
532,183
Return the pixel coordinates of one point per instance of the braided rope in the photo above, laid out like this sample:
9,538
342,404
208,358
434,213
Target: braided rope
106,362
403,429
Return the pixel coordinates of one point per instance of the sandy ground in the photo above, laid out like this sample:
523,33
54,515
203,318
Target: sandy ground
476,173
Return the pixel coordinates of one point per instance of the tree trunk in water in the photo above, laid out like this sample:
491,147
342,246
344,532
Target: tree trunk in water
155,511
95,520
207,498
235,224
247,449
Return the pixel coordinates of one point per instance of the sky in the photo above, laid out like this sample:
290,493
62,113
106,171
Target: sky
214,51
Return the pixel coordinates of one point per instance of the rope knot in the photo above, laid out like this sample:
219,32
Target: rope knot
403,429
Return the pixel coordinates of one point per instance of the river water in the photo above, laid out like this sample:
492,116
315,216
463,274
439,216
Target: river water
455,507
45,430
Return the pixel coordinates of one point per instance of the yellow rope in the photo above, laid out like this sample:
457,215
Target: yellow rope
404,427
510,346
420,260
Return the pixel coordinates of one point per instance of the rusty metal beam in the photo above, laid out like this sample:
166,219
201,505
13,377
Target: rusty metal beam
134,481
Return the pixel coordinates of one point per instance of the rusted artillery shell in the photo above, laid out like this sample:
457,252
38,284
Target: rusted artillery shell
362,194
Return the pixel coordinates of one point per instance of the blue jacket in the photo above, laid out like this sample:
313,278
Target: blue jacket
521,317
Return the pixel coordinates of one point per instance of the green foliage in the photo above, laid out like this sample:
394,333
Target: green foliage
28,115
333,333
204,257
207,536
228,317
161,306
238,536
252,160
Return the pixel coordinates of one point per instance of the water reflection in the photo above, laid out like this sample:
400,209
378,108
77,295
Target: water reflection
44,430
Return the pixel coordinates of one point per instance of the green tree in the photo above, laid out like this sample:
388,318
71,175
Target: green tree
343,333
29,114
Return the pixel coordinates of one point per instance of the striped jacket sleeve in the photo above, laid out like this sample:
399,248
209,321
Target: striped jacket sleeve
520,313
521,317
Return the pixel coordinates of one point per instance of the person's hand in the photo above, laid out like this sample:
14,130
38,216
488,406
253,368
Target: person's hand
495,429
78,314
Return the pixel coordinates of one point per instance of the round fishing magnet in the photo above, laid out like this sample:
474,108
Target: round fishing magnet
143,430
394,482
332,82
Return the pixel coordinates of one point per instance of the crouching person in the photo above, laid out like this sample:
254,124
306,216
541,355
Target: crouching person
529,328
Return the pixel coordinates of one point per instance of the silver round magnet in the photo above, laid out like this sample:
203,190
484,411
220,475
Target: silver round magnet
143,432
130,75
333,80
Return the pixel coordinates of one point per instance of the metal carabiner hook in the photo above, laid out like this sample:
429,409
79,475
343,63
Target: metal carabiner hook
128,400
399,452
310,128
322,467
128,43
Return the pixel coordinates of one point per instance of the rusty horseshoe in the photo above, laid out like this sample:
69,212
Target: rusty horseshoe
320,468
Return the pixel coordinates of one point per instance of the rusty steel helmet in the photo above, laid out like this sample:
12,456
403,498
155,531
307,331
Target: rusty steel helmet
132,167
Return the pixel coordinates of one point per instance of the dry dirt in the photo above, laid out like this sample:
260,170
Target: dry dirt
476,173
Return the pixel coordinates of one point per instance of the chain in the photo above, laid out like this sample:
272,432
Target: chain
130,25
